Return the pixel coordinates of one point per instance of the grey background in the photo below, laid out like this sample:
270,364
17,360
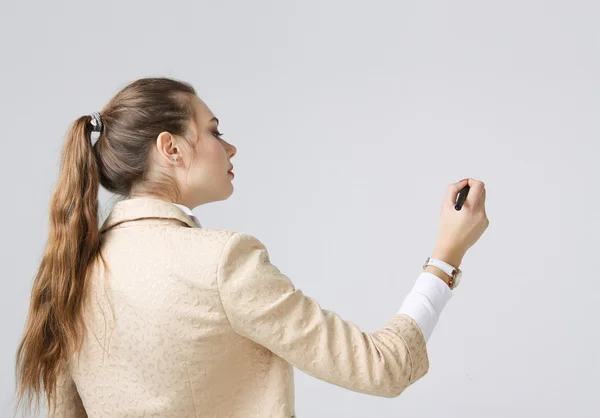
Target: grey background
350,119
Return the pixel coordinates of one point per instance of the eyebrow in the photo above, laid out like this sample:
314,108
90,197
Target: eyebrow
214,119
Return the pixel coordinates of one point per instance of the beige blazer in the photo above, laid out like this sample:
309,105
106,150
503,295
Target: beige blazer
196,322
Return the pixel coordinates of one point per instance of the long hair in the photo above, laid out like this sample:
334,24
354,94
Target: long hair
119,161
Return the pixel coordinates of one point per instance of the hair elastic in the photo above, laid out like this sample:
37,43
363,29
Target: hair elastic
96,121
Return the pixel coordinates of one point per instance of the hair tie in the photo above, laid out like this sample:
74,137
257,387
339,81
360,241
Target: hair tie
96,122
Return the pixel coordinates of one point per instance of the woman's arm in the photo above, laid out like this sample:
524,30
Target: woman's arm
263,305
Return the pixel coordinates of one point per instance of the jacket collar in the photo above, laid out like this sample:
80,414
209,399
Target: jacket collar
145,207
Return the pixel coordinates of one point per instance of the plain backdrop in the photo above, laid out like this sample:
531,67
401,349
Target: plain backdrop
350,120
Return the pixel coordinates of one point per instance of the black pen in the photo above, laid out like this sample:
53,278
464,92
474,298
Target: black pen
462,196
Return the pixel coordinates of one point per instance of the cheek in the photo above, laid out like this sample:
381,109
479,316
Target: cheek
218,156
210,163
210,160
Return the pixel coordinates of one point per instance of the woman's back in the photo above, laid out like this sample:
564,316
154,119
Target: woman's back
158,341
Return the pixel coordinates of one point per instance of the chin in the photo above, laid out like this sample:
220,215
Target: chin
230,192
225,194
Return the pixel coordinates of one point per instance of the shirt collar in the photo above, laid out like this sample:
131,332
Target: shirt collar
189,212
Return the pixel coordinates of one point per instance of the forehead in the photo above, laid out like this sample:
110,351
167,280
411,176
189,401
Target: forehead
203,113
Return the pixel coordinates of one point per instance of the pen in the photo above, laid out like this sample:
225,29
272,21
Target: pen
462,196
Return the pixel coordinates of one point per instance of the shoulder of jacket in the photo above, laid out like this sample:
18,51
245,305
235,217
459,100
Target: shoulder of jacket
236,241
227,237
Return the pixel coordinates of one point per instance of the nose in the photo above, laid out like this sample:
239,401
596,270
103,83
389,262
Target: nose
231,150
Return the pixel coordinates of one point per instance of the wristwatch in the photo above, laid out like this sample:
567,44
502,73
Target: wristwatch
454,273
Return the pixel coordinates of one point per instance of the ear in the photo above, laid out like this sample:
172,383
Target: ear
166,146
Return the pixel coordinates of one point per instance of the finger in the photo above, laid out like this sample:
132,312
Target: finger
475,194
482,199
453,190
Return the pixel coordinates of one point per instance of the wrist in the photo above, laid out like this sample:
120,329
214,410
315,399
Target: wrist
439,273
454,258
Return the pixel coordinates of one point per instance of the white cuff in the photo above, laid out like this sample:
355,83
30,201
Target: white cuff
426,301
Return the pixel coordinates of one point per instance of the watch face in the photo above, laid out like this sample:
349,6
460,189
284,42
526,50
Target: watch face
457,278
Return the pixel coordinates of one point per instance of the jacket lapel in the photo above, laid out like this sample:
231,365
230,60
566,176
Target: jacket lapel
145,207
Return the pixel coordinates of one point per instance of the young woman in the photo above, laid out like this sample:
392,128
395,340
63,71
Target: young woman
154,315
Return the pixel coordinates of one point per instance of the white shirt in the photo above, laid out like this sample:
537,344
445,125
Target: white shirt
424,303
189,212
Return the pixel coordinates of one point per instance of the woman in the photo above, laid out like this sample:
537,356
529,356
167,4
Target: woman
154,315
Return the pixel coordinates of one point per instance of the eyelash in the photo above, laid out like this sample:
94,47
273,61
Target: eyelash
218,134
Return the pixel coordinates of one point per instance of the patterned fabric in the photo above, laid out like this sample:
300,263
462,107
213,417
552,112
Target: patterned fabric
196,322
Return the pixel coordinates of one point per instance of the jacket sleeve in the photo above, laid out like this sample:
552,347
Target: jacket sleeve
263,305
68,403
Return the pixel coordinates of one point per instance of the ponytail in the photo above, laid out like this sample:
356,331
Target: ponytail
54,326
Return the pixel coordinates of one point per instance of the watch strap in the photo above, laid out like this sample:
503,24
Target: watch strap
442,265
453,272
